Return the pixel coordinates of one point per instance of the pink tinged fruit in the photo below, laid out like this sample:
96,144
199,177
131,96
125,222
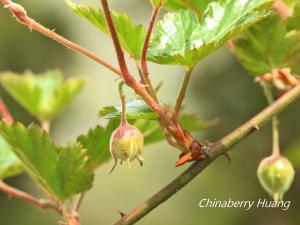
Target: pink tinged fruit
126,144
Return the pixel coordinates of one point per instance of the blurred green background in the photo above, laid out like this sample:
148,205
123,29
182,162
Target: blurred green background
220,88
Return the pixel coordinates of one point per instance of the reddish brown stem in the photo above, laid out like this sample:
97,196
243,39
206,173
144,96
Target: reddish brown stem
6,116
40,203
21,15
182,93
174,128
217,149
119,51
144,66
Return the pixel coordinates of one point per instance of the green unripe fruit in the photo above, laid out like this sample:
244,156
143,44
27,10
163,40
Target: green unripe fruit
275,173
126,144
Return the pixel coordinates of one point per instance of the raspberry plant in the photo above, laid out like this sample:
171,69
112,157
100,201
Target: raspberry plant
263,34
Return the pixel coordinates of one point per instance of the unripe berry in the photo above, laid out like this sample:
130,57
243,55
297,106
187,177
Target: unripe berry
275,173
126,144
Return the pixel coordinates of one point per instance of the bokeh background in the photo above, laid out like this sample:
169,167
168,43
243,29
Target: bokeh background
220,88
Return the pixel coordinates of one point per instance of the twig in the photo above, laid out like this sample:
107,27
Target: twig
6,116
123,100
40,203
215,150
139,68
182,93
21,15
275,122
78,202
120,54
174,128
144,66
129,79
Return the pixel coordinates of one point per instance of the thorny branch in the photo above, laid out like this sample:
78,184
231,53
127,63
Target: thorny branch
215,150
21,15
188,144
40,203
184,139
192,148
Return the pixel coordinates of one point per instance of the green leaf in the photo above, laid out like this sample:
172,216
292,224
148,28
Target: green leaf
269,45
131,35
135,109
10,165
96,142
61,171
182,39
294,21
140,115
43,95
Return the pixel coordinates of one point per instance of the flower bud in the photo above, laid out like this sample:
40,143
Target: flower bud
126,144
275,173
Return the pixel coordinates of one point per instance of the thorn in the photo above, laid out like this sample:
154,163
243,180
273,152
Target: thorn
228,157
144,85
256,127
30,26
122,214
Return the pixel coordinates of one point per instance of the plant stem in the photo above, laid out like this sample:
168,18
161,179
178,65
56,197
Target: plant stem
275,122
129,79
144,66
215,150
40,203
182,93
116,41
123,101
173,127
6,116
23,18
78,202
73,217
139,68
